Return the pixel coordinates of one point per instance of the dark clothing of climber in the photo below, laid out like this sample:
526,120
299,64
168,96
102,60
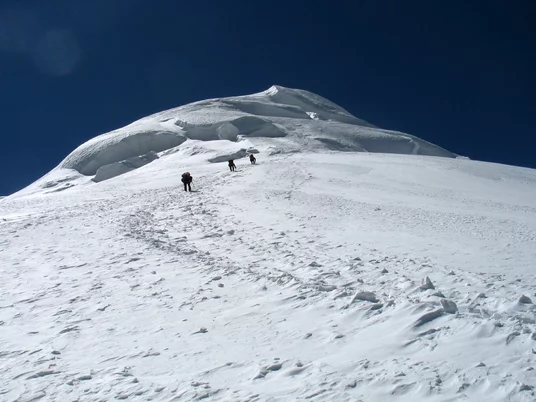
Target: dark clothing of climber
252,159
232,166
187,181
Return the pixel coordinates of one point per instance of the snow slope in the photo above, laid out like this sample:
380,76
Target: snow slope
301,278
278,120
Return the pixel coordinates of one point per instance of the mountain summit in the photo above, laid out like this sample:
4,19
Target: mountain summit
277,120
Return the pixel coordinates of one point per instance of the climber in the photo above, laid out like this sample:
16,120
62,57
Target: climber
232,166
187,181
252,159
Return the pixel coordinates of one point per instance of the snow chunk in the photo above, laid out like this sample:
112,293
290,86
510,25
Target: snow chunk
365,296
427,284
525,300
449,306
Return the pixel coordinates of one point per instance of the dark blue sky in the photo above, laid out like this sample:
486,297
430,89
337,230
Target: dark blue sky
459,73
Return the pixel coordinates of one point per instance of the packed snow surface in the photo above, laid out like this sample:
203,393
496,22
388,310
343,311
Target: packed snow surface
309,276
294,120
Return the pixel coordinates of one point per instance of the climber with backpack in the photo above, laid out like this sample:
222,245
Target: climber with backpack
252,159
187,181
232,166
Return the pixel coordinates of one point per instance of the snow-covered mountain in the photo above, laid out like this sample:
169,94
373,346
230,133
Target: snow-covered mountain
315,274
278,120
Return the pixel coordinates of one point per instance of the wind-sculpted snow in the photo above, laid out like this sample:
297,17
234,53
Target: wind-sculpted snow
247,126
312,103
117,146
118,168
303,121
